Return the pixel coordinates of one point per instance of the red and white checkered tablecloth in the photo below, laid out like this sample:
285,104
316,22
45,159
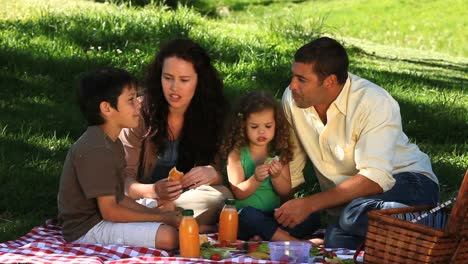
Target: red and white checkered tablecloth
45,244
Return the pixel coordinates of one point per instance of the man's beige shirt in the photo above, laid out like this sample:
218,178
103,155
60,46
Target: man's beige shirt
363,135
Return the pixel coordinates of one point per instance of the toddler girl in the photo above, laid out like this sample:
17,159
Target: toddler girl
257,149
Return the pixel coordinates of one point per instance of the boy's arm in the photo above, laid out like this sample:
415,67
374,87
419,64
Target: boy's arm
131,204
163,205
136,190
120,213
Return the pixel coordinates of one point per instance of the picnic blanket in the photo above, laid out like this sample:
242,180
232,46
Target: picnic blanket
45,244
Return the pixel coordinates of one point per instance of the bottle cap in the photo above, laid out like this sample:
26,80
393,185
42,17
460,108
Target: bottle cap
188,212
230,202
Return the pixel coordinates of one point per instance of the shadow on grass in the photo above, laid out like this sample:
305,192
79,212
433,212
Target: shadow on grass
29,185
436,63
210,8
241,6
42,107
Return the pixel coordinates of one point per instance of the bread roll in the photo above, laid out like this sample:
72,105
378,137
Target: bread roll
175,175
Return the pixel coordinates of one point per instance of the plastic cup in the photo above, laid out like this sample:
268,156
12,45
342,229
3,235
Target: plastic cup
289,251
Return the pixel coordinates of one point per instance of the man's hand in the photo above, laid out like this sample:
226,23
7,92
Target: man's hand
262,172
168,190
198,176
293,212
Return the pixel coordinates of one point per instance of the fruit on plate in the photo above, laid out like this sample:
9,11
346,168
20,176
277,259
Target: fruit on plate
263,247
252,247
203,238
259,250
321,252
259,255
334,260
175,175
214,253
321,255
258,247
209,251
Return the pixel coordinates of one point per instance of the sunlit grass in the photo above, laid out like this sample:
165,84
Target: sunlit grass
437,26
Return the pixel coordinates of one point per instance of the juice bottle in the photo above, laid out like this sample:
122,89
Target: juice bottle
188,236
228,222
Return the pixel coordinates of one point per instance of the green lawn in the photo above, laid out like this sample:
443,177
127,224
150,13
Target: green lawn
44,45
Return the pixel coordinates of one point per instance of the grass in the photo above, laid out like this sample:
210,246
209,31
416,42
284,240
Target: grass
435,26
44,45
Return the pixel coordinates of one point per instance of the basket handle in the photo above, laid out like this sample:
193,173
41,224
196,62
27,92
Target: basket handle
459,210
455,254
358,250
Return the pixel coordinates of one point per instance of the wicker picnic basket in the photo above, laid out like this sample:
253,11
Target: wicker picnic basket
391,240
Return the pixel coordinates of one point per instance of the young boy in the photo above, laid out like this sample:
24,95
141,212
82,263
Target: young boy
91,201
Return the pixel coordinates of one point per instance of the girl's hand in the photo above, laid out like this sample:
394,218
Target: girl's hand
168,190
275,168
262,172
198,176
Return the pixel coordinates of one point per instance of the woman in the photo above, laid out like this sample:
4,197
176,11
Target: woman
183,109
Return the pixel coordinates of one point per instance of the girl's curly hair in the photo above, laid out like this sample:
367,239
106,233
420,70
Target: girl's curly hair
236,132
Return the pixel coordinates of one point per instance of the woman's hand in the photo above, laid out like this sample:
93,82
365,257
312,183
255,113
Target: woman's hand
275,168
262,172
168,190
200,175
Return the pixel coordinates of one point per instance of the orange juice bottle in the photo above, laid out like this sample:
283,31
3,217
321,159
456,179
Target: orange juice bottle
228,222
188,236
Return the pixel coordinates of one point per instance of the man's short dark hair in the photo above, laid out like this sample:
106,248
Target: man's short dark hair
105,84
327,57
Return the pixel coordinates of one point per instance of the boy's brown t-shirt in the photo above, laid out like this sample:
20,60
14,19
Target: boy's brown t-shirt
93,167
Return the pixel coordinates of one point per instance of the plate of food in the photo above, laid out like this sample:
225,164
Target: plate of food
219,250
236,247
322,255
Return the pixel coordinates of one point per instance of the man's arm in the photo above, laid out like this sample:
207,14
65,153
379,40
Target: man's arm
295,211
352,188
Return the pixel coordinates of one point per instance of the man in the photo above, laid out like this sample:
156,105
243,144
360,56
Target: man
351,130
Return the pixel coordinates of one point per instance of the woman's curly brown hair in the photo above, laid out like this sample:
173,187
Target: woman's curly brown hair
203,120
235,135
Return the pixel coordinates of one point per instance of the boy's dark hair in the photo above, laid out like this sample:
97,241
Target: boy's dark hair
105,84
327,57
